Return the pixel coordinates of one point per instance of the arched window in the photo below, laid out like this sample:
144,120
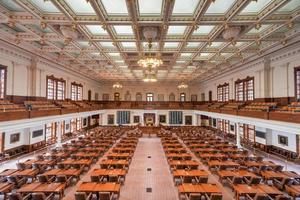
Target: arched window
172,97
182,96
127,96
117,96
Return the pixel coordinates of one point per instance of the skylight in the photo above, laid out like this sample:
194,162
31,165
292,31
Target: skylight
261,29
45,6
289,7
203,30
176,30
255,6
215,44
12,6
171,44
115,7
107,44
129,44
123,30
219,7
185,7
193,44
81,7
96,30
150,7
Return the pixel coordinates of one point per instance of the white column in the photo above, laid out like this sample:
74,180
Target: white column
238,139
58,134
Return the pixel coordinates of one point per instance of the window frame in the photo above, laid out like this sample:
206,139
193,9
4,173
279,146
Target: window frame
55,87
150,95
297,83
78,93
242,92
182,97
4,69
223,92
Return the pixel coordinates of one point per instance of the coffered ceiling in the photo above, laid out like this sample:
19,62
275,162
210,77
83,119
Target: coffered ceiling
104,39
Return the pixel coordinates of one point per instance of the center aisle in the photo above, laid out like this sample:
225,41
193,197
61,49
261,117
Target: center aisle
159,178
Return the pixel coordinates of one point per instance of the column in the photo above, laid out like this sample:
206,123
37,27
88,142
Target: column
238,139
267,78
58,134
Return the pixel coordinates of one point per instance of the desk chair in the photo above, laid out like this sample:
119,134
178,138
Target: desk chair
41,196
21,166
63,179
214,196
235,181
253,180
259,197
280,184
193,196
17,196
282,197
17,182
105,196
82,196
44,179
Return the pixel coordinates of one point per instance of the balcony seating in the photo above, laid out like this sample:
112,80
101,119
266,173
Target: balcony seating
40,105
66,104
6,106
293,107
233,106
261,106
217,105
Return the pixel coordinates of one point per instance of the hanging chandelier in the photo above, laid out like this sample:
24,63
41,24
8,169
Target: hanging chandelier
182,85
150,61
150,78
117,86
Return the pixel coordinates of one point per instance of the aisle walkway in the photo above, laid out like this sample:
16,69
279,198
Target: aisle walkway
159,178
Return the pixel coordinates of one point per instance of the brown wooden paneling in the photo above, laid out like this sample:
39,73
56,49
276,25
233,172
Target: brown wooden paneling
21,99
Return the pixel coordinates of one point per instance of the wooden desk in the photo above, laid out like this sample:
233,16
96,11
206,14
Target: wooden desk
29,162
108,172
7,172
84,162
293,190
99,187
123,150
259,164
183,163
203,188
29,173
227,163
43,187
182,156
119,156
114,163
175,150
98,150
212,155
203,150
224,174
67,172
86,155
243,189
5,188
197,172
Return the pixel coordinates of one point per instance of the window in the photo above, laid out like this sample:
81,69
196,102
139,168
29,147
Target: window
76,92
297,83
2,81
283,140
149,97
117,96
244,89
182,96
223,92
55,88
14,138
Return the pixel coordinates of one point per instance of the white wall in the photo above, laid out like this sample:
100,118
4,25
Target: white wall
291,140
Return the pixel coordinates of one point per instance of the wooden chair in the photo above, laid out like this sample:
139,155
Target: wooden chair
282,197
214,196
44,179
63,179
105,196
17,182
82,196
235,181
193,196
21,166
259,197
253,180
202,179
281,184
278,168
113,178
41,196
95,178
17,196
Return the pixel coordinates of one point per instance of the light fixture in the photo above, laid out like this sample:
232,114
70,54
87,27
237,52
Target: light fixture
117,86
150,61
182,85
150,78
230,33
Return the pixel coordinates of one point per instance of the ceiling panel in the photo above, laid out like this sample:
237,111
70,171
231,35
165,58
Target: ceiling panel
255,6
45,6
150,7
115,7
96,30
185,7
219,7
81,7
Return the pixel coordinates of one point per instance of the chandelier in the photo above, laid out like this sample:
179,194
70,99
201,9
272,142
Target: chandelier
117,86
150,78
150,61
182,85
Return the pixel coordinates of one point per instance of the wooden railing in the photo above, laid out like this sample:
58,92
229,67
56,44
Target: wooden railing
154,105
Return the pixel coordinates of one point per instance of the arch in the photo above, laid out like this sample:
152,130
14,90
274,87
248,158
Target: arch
172,97
138,96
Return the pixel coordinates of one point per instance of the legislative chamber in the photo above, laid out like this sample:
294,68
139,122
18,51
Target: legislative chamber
149,99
